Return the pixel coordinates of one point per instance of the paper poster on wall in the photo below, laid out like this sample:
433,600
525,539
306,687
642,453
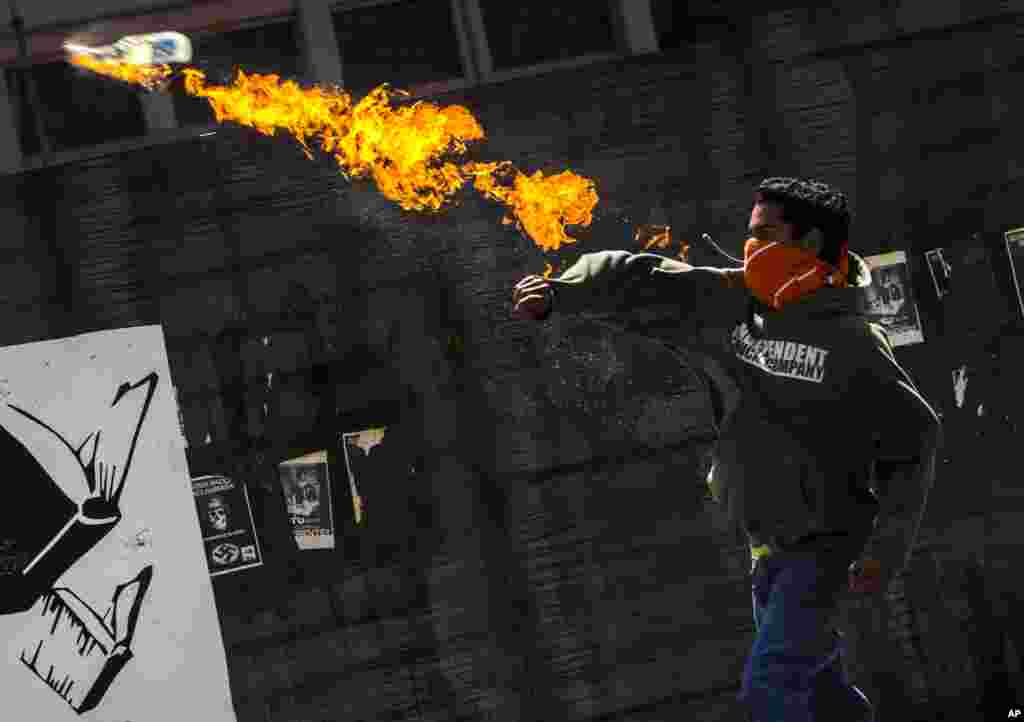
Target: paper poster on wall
356,448
889,300
106,604
306,484
1014,240
940,271
229,533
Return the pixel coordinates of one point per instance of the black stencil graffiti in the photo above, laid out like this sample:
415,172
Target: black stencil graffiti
79,653
46,532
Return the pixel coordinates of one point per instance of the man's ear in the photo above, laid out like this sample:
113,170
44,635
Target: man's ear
814,241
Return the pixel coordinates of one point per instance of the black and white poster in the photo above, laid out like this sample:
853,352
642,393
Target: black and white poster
106,605
890,299
1015,254
229,534
306,484
358,448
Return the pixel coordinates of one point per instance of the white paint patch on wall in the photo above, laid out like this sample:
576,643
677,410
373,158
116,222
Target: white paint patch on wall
960,385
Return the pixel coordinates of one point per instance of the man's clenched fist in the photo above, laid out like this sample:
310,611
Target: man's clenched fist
531,299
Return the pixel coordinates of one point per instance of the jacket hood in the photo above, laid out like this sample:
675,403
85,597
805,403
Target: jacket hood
830,302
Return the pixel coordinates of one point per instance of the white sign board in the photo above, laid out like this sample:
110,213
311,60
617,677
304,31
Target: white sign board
106,605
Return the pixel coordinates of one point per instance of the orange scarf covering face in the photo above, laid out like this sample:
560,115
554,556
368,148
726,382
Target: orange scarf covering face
778,274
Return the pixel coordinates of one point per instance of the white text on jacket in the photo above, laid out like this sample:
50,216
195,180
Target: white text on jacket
779,357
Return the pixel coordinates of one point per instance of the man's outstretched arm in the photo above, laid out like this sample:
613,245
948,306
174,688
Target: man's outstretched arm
619,280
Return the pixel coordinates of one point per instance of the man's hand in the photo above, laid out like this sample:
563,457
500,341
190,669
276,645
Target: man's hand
531,299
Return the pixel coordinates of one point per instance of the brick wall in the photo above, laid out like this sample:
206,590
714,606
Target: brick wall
543,548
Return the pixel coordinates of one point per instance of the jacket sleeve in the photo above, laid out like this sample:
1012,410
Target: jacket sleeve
901,413
907,431
619,280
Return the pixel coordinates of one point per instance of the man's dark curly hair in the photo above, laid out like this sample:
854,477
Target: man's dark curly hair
810,204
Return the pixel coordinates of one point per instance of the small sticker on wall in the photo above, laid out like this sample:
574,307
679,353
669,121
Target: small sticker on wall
226,523
306,484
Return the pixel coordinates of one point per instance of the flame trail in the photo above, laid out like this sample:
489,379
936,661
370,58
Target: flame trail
541,205
409,152
654,236
148,76
660,236
400,148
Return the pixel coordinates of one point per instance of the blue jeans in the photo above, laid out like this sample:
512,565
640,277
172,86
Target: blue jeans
794,672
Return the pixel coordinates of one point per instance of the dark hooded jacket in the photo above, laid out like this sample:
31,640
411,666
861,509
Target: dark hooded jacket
794,453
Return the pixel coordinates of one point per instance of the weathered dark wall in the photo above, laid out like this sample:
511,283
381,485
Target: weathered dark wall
543,549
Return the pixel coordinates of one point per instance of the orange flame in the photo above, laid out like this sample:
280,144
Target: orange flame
541,205
148,76
400,148
407,151
652,235
261,102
